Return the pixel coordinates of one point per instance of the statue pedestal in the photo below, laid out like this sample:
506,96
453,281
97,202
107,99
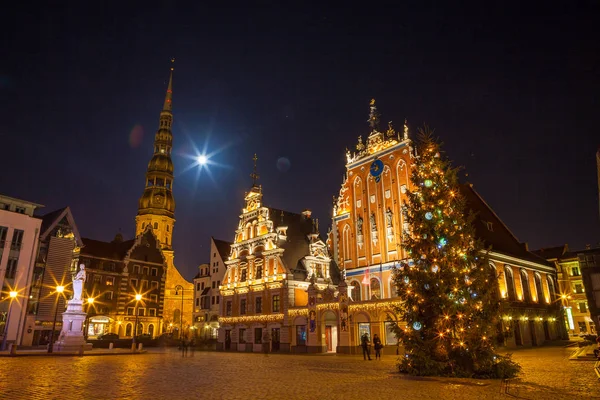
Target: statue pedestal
73,321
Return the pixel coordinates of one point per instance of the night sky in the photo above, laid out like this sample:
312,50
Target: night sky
513,93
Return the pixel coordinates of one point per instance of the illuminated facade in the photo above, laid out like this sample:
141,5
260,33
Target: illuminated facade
157,209
276,256
116,272
19,236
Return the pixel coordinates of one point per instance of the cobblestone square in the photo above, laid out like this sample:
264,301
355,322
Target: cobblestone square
165,374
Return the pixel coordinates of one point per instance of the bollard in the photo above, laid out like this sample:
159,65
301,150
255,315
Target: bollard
81,351
13,349
110,346
140,346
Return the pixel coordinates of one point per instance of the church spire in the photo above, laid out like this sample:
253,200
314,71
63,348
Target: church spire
254,175
168,106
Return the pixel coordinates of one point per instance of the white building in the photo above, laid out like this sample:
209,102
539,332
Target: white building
206,290
19,235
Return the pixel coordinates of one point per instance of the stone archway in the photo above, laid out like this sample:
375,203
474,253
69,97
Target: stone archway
329,323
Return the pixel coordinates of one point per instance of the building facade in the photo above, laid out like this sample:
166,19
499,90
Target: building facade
276,255
157,209
19,235
589,264
55,262
116,272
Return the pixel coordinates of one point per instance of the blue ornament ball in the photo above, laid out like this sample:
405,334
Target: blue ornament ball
428,216
417,326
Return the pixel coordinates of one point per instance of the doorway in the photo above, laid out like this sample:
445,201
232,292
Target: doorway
532,332
546,330
328,338
517,332
331,331
275,339
227,339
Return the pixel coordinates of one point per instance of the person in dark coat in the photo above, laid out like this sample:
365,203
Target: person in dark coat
364,343
377,346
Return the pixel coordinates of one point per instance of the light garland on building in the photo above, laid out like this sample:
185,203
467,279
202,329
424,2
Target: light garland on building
251,318
295,312
328,306
375,306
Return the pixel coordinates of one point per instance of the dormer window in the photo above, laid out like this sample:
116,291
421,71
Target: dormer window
490,226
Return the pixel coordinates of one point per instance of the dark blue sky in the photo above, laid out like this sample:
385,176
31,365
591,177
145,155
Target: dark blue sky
512,91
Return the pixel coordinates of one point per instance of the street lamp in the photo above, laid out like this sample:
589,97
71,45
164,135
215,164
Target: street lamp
90,302
59,290
138,297
12,295
178,288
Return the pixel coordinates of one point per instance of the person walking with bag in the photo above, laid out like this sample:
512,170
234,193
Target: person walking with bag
364,343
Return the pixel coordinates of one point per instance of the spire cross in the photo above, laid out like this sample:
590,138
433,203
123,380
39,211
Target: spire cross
254,175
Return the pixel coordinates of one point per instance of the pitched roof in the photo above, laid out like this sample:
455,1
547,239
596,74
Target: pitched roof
112,250
552,253
494,233
223,247
51,219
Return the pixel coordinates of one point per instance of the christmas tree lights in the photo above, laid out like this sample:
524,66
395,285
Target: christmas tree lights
451,311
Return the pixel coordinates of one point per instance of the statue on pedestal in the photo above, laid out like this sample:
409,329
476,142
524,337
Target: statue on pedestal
78,281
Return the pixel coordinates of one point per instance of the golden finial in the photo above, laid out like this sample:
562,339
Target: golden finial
372,102
373,115
254,175
172,63
405,129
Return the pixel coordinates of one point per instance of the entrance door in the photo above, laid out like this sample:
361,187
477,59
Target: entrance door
517,333
328,338
227,339
533,335
275,338
546,330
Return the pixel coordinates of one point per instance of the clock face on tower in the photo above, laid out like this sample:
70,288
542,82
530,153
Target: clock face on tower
159,199
376,169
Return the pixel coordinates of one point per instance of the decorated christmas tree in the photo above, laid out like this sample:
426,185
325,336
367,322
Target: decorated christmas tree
450,293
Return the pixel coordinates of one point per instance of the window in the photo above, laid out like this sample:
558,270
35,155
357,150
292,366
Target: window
301,335
3,232
212,299
258,305
154,272
156,225
228,309
244,275
144,284
375,289
583,307
197,287
525,285
510,283
17,240
214,254
218,283
97,278
154,285
11,267
108,296
154,298
538,287
150,182
276,303
141,312
575,271
257,335
130,311
578,288
582,327
202,285
259,271
243,307
242,336
197,301
133,283
551,288
136,269
110,281
218,297
20,210
213,284
128,329
145,270
152,312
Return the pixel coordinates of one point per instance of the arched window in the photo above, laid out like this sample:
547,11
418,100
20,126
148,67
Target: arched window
355,291
128,329
538,287
140,329
151,330
346,243
494,273
525,286
375,289
510,283
156,225
393,292
551,289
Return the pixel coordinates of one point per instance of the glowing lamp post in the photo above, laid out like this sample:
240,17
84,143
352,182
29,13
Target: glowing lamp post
138,297
177,289
12,295
90,302
59,290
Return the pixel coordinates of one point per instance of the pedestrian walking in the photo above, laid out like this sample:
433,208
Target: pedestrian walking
366,348
377,346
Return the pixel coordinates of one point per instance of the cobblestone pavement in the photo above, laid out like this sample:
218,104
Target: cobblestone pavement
164,374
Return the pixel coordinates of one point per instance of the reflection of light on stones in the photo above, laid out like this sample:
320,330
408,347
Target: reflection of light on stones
135,136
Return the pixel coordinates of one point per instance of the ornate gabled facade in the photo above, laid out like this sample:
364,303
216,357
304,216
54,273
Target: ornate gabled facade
157,209
275,257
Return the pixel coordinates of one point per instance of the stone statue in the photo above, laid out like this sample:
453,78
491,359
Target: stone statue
373,223
359,223
78,281
388,217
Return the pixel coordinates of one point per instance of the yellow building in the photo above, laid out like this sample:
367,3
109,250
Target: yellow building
157,209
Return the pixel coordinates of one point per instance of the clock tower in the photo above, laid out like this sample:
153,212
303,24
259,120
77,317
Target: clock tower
157,205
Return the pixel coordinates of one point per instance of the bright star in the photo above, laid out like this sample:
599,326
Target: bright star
202,159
